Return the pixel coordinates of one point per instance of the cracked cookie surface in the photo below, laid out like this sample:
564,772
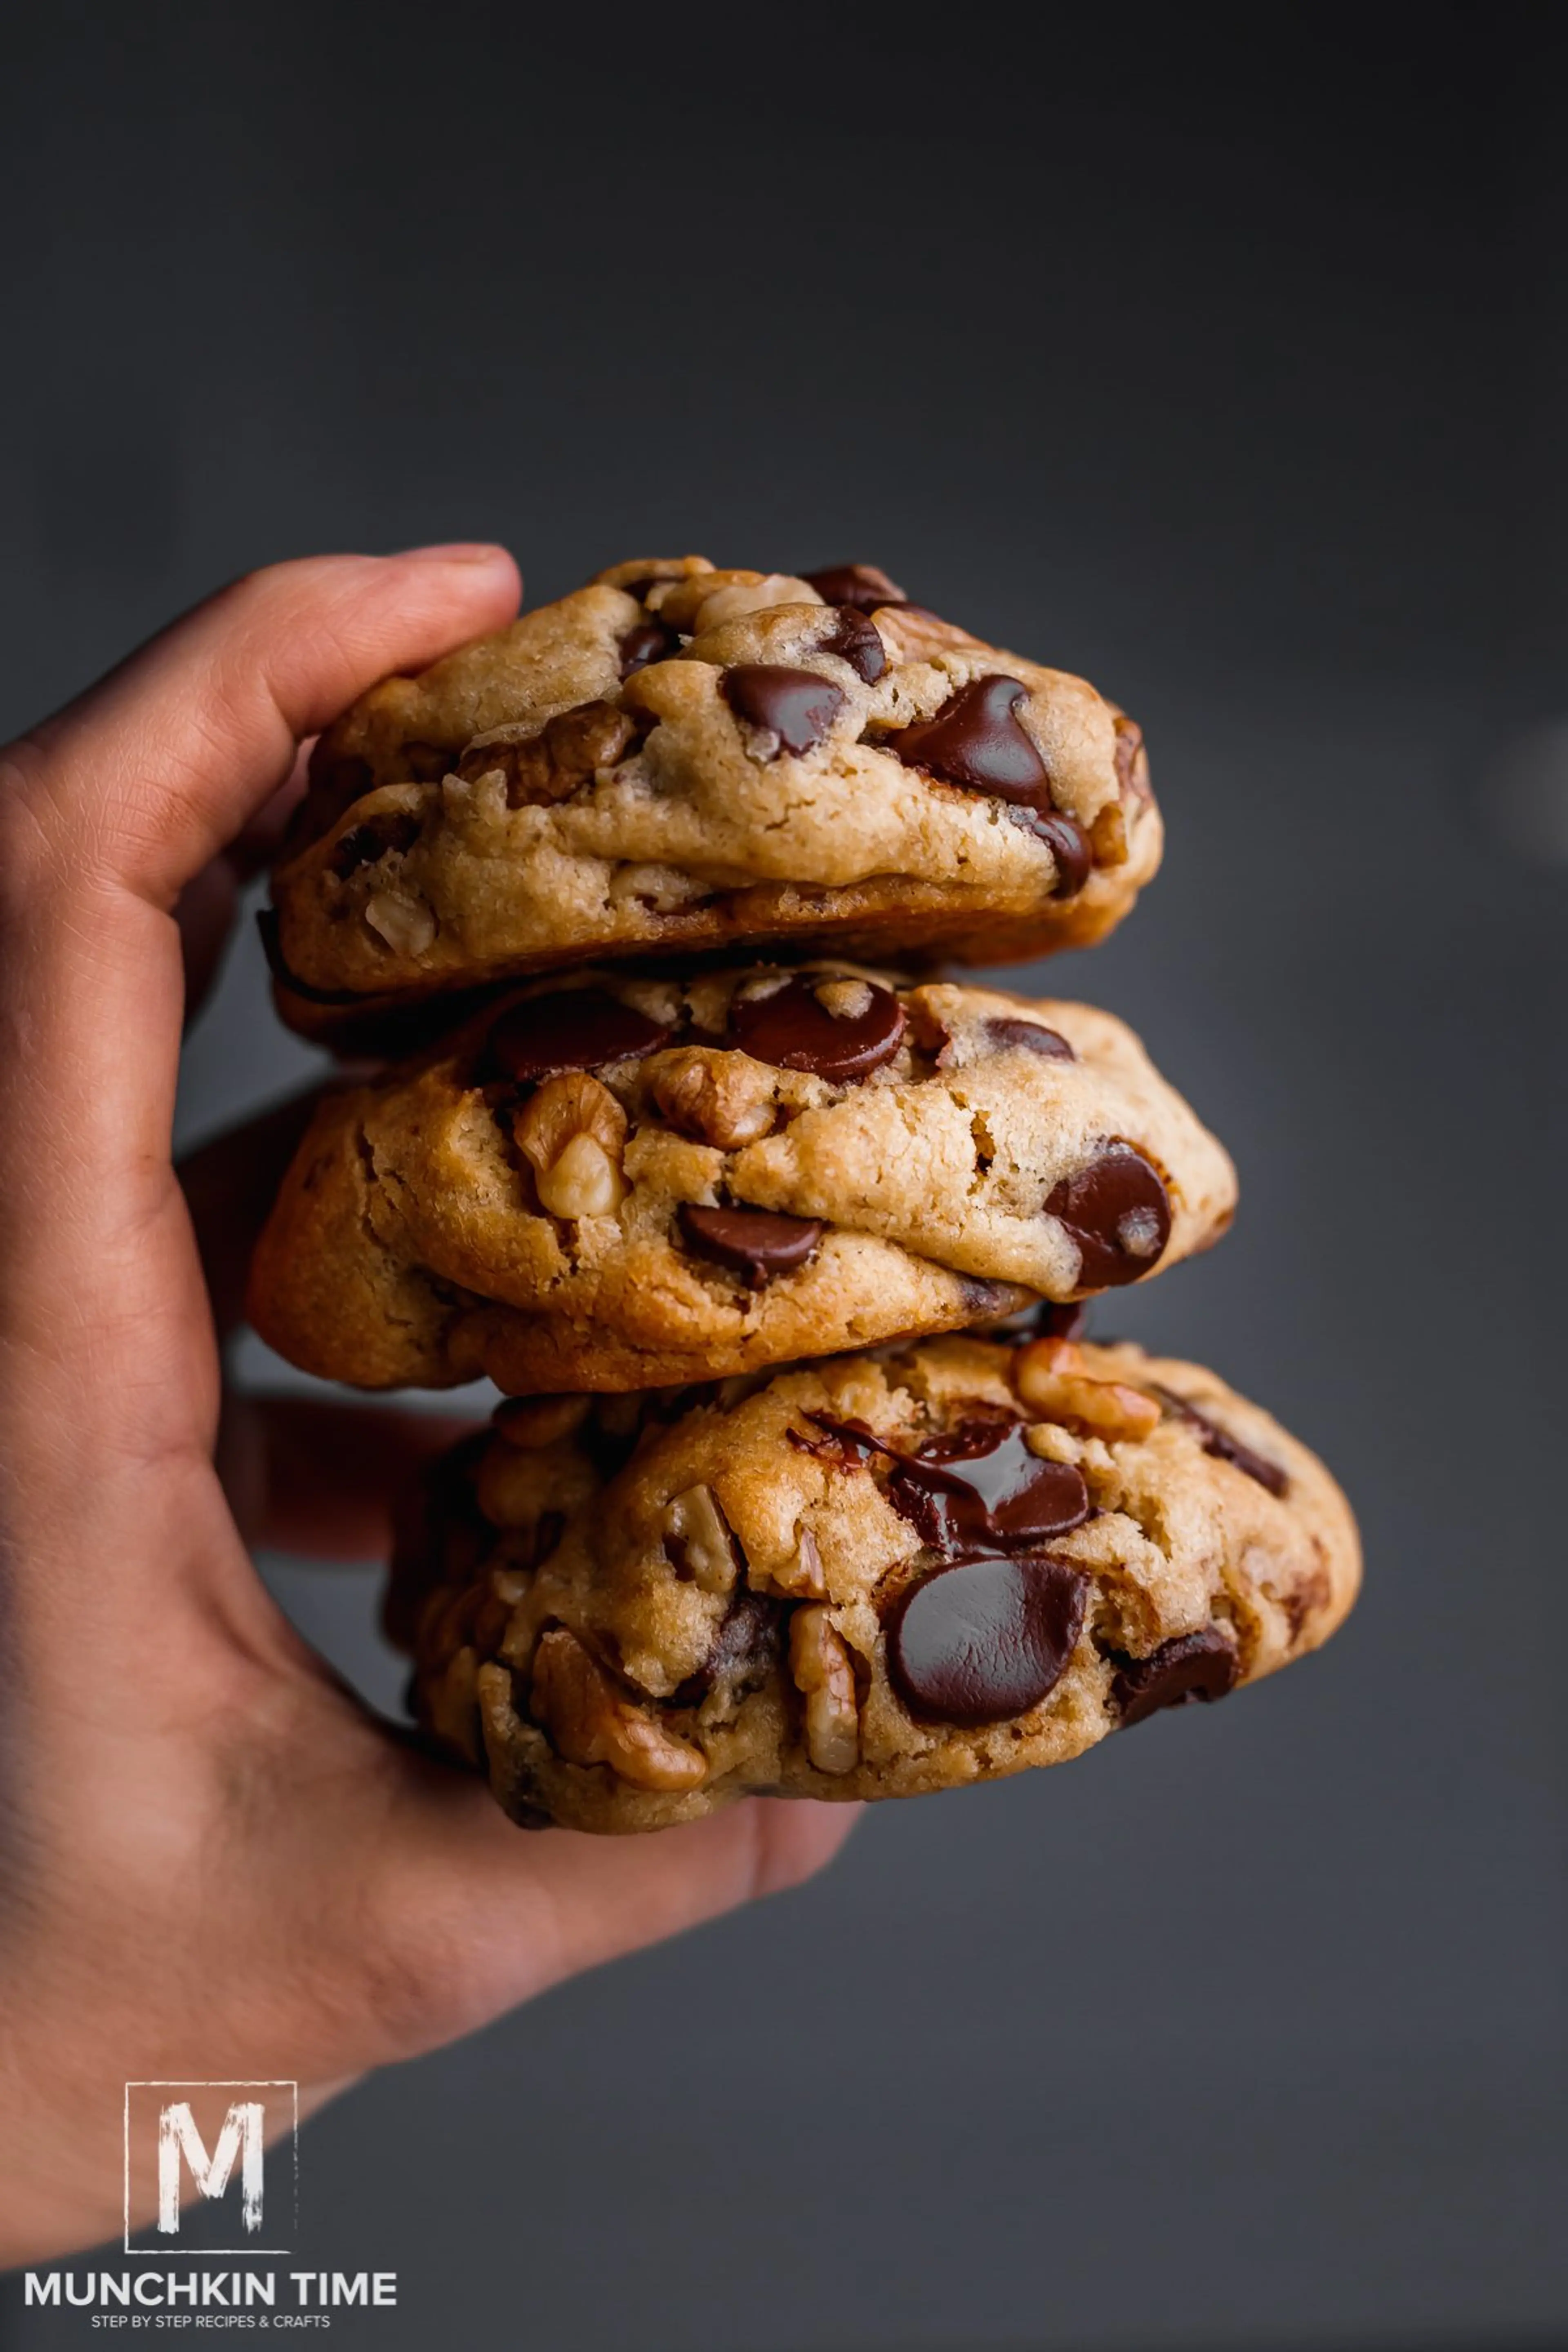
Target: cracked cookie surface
618,1182
877,1576
678,759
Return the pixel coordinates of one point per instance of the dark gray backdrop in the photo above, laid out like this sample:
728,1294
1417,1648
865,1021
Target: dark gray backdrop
1226,369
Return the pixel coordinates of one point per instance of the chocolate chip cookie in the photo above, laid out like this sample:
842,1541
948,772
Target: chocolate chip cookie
618,1182
882,1575
677,759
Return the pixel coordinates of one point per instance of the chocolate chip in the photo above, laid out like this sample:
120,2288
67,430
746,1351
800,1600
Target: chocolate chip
754,1243
1223,1446
577,1029
855,640
860,585
794,1030
1060,1318
1032,1036
1069,845
1006,1497
796,705
378,837
1118,1213
746,1646
1194,1666
649,641
988,1640
976,741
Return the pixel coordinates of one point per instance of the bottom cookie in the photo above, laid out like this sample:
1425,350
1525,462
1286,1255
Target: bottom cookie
876,1576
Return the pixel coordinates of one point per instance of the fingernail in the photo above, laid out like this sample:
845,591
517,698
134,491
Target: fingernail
456,551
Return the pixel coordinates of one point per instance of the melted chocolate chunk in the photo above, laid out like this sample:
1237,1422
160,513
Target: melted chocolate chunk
979,1642
1069,845
1005,1496
860,585
1194,1666
976,741
855,640
1223,1446
649,641
754,1243
378,836
579,1029
1032,1036
1061,1318
1118,1213
792,1030
746,1646
796,705
1005,1499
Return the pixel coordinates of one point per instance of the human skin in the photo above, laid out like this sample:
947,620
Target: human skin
215,1864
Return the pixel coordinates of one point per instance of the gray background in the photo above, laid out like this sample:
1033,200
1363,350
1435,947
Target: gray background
1228,370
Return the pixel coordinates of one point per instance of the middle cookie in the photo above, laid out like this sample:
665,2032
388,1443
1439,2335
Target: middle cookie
622,1182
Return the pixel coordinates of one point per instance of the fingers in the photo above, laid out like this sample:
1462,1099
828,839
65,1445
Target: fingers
106,814
324,1479
229,1185
471,1916
158,767
206,907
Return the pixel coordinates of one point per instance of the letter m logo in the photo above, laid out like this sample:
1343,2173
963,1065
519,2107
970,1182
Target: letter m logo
179,2140
187,2144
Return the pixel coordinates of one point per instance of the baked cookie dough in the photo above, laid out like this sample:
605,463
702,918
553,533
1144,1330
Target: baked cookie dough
677,759
620,1182
877,1576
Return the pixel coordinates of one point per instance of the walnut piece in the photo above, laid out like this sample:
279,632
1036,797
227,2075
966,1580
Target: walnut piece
844,1000
697,1535
556,762
406,924
1050,1380
590,1722
1108,836
572,1131
801,1576
712,1096
819,1665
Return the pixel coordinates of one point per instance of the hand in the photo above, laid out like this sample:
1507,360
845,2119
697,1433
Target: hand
214,1861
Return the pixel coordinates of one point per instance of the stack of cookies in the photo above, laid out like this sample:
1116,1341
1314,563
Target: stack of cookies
806,1482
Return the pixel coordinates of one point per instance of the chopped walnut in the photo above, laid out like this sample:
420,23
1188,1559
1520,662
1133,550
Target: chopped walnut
590,1721
1050,1379
554,764
1108,836
533,1422
1051,1442
697,1539
732,604
406,924
820,1667
844,1000
572,1131
801,1576
712,1096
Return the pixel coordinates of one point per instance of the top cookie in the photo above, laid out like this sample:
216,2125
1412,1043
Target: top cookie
676,759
